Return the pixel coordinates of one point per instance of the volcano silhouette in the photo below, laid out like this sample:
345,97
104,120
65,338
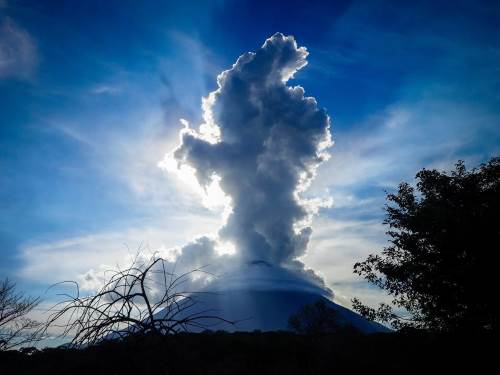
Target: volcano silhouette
260,296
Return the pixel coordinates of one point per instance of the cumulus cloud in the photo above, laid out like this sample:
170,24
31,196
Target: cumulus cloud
201,255
18,54
261,143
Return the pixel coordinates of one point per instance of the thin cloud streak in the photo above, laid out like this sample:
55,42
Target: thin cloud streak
18,52
392,146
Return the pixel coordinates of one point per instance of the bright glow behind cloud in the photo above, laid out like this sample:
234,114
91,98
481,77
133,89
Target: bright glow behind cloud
212,196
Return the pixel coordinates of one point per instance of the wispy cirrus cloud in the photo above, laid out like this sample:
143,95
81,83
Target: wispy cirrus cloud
392,145
18,52
106,89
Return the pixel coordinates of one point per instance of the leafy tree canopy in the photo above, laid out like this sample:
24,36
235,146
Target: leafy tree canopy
440,265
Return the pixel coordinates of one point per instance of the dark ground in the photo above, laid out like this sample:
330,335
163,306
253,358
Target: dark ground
267,353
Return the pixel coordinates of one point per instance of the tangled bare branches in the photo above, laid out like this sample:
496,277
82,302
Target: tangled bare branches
145,298
16,328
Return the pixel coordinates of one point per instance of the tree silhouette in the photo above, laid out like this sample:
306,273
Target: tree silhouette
15,327
143,299
440,266
317,318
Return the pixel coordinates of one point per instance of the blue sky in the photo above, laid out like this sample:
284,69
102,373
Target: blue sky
91,94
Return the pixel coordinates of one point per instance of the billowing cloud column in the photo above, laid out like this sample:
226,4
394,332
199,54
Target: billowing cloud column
262,141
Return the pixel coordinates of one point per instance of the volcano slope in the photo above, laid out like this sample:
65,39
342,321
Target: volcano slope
260,296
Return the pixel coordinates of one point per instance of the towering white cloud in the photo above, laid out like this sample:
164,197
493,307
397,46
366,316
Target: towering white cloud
262,142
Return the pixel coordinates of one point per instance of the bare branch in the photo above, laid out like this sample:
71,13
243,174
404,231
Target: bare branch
15,328
143,298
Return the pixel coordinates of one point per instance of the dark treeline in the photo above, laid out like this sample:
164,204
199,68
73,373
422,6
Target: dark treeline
264,353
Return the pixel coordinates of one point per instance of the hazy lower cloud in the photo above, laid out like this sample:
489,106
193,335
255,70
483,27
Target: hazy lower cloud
336,244
72,257
18,52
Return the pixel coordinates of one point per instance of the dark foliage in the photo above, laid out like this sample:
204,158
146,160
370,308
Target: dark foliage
440,266
263,353
15,327
317,318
